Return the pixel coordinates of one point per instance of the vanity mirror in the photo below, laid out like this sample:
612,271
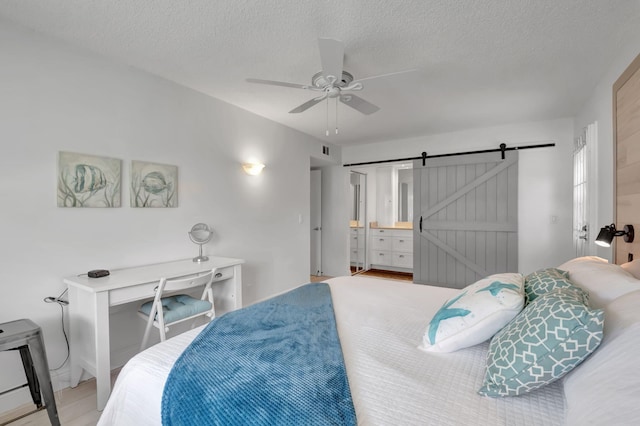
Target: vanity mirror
405,195
394,195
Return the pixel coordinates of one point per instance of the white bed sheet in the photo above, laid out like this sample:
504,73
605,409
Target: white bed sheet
380,324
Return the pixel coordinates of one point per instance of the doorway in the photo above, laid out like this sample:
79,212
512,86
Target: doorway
357,222
315,222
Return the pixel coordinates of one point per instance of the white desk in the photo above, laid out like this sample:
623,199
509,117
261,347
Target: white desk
90,299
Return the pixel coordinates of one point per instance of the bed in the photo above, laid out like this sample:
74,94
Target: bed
381,323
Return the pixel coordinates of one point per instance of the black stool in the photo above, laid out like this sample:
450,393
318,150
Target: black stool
24,335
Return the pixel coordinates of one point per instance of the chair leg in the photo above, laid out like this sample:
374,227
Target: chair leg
212,315
30,372
163,333
145,338
36,347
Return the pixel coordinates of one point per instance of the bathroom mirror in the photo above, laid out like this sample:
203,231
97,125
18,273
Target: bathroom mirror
405,195
393,195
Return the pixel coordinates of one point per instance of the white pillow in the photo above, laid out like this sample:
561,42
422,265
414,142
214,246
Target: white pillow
605,388
476,314
633,268
602,280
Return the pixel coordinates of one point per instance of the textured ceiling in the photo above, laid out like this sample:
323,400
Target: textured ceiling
480,62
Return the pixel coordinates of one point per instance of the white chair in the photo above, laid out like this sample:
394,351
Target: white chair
164,311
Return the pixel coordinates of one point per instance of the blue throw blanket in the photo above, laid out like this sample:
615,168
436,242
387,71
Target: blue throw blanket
278,362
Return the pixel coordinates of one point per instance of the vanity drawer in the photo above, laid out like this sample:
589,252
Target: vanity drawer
402,244
376,232
381,243
402,260
380,257
357,255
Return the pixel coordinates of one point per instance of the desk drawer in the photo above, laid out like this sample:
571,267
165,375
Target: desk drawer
223,274
130,294
148,290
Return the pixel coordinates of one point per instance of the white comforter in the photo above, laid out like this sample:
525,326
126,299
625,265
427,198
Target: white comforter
380,324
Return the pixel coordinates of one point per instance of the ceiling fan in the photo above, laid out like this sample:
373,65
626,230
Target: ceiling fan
332,82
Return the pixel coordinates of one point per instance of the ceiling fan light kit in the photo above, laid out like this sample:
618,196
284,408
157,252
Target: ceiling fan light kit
321,82
327,82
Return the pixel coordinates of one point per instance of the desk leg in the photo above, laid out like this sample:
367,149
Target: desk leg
75,341
102,349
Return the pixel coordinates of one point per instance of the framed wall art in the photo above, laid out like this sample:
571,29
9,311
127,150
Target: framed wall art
88,180
153,185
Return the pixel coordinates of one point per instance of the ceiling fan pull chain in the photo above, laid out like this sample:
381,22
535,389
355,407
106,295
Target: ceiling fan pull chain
337,115
327,132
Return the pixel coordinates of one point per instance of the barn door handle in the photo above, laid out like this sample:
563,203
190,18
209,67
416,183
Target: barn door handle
420,224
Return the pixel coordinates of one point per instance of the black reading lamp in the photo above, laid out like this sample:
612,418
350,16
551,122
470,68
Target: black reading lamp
609,232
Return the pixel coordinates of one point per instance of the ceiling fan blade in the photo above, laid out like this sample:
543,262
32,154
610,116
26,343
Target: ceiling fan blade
331,57
359,104
305,106
277,83
385,75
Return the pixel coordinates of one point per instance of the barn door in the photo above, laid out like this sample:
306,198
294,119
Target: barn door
465,212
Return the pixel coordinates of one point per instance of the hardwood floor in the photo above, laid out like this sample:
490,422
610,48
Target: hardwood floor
76,407
389,275
318,278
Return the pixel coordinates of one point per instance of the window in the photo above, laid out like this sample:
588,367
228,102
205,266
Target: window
582,146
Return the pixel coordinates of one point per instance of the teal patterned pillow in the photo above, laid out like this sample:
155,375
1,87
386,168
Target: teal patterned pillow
544,342
544,281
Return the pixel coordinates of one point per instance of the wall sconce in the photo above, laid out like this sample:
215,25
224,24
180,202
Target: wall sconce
607,233
253,169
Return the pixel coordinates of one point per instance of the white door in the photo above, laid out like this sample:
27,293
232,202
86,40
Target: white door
316,222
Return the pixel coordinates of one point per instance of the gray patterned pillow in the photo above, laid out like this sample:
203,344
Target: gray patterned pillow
544,281
544,342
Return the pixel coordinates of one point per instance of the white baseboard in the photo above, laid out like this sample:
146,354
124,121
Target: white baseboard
12,400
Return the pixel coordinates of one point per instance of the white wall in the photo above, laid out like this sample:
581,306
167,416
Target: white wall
335,221
545,179
600,108
54,97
